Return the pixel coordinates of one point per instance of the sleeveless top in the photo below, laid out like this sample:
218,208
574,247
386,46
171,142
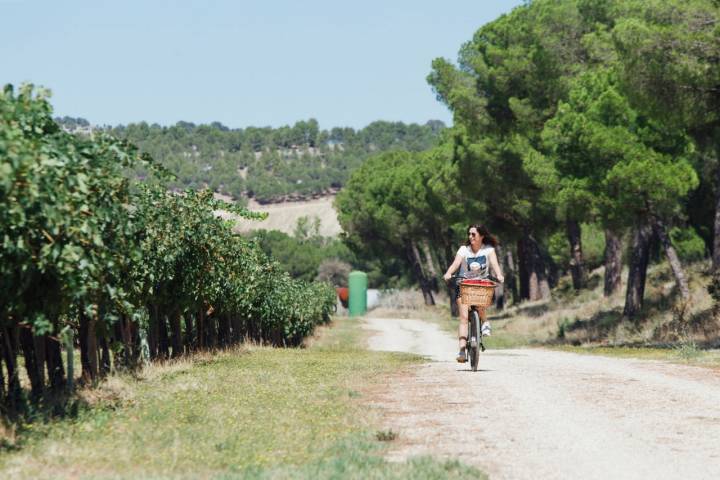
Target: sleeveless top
476,262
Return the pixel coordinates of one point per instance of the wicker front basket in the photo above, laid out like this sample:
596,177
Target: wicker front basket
480,295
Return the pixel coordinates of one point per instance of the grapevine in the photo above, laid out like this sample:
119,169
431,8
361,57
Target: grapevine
87,249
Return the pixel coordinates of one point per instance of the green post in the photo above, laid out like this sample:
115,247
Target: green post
357,284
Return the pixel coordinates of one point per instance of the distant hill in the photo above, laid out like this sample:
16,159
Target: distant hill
267,164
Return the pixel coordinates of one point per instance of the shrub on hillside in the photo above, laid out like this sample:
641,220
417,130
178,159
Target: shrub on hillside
690,247
334,271
593,246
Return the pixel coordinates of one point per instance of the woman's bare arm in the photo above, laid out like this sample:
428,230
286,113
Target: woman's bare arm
453,268
496,266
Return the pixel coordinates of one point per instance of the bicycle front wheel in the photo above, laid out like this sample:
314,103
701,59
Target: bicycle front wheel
474,347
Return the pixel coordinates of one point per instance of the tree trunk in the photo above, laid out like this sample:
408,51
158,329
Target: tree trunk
639,258
672,256
224,330
88,347
189,336
523,270
2,375
613,262
414,257
163,338
210,328
500,290
134,333
69,358
236,324
450,257
510,276
577,266
716,232
430,265
153,337
424,279
714,287
551,269
534,283
34,371
83,340
176,331
544,281
93,348
125,336
9,353
120,357
200,329
56,371
40,355
105,362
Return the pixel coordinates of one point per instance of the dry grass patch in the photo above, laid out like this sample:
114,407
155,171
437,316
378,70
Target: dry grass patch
589,318
284,216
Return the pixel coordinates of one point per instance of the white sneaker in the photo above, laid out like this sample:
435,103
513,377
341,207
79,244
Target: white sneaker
485,329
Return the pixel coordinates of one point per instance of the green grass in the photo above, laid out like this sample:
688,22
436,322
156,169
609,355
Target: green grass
686,353
501,339
342,333
359,458
253,412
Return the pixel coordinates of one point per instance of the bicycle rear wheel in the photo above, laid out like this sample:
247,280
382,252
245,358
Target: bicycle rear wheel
474,343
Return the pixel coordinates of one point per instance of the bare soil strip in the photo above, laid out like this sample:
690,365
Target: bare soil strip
534,413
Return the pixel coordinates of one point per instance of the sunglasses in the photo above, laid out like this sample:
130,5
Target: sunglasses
472,234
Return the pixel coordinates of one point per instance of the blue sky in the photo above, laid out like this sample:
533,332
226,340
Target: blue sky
269,62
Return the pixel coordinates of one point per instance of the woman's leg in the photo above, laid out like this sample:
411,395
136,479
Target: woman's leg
463,327
484,324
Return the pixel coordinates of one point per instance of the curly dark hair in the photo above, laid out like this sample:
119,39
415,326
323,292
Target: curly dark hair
488,238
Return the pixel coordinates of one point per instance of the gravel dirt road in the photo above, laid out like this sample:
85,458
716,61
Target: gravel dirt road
540,414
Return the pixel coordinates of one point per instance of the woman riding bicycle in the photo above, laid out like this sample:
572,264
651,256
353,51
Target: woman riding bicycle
475,258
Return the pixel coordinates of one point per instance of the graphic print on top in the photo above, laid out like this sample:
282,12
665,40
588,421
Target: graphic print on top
476,262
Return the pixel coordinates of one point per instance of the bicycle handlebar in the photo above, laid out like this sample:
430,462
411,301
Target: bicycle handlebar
489,277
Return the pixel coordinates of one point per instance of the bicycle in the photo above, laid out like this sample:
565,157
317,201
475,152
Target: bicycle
476,293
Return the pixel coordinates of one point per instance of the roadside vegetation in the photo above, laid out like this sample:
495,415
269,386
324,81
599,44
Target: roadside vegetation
585,135
126,270
246,412
590,318
306,254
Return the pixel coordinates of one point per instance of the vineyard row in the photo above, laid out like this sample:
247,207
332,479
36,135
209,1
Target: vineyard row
95,259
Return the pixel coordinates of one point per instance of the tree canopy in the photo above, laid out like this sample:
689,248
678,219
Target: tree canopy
566,113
